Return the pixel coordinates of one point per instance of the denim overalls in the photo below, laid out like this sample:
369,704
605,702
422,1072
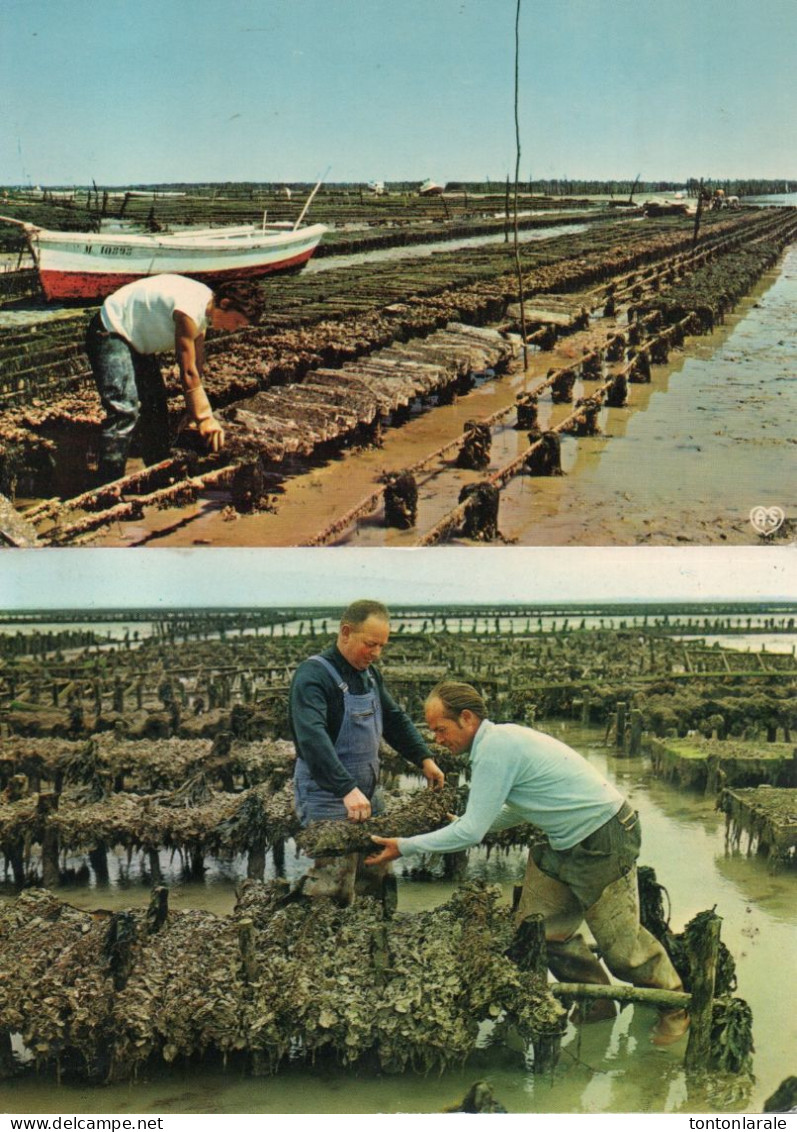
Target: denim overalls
357,747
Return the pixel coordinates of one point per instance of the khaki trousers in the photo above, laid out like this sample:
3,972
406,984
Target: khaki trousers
630,952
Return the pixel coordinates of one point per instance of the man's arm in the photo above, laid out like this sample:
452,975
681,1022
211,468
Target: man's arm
491,782
403,736
189,346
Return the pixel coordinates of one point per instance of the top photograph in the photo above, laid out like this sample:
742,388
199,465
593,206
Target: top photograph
358,274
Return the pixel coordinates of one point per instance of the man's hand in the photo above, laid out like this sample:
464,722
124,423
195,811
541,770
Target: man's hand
389,853
212,433
358,808
435,779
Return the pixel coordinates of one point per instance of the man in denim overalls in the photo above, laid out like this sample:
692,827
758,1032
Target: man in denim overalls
339,711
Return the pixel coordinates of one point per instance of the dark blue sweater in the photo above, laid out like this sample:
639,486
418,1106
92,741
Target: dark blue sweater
316,714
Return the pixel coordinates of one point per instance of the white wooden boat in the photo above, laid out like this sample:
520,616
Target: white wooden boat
88,265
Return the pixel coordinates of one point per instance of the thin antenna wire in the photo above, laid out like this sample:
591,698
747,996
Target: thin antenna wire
517,177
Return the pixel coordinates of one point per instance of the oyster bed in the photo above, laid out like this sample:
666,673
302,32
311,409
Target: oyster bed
283,389
769,818
101,995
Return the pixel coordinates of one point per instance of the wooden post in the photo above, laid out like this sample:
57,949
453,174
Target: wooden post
475,451
588,424
197,864
256,862
278,852
698,214
703,952
527,411
401,501
158,909
635,737
527,949
481,517
246,944
98,859
389,895
562,387
617,393
586,709
16,858
7,1067
529,952
119,941
48,804
619,738
455,865
545,459
155,874
506,213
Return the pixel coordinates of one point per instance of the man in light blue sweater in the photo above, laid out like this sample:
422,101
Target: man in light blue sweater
586,869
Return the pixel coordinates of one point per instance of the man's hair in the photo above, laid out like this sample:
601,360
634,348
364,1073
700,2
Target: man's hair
359,612
242,296
456,698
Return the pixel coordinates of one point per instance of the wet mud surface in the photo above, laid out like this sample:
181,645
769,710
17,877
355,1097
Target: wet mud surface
650,482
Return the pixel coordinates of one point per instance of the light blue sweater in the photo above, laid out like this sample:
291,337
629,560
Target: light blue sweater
520,775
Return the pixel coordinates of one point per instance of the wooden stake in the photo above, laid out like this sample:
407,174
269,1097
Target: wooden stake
528,949
158,909
246,943
48,804
703,954
156,876
619,738
698,214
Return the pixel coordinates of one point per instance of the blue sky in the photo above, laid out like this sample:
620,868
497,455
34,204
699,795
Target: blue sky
124,91
197,578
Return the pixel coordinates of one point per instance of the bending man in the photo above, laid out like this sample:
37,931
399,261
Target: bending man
586,869
133,325
339,711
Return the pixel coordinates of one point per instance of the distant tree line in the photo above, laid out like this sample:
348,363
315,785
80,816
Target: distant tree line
552,187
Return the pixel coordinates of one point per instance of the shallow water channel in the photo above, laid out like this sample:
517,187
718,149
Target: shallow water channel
604,1067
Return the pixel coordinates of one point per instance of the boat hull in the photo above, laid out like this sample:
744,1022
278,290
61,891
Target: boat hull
87,266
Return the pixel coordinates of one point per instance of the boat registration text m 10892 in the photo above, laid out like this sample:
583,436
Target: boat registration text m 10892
107,249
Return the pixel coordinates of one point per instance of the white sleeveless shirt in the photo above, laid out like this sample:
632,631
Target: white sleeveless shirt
142,312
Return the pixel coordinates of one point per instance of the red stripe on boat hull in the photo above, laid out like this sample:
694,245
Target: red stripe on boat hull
96,285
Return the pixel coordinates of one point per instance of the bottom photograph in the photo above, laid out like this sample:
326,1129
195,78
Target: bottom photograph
411,831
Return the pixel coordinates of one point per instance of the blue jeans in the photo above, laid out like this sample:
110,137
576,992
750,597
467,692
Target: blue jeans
130,386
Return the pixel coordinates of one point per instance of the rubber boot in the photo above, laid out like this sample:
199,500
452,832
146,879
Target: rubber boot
332,877
571,961
108,471
671,1027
